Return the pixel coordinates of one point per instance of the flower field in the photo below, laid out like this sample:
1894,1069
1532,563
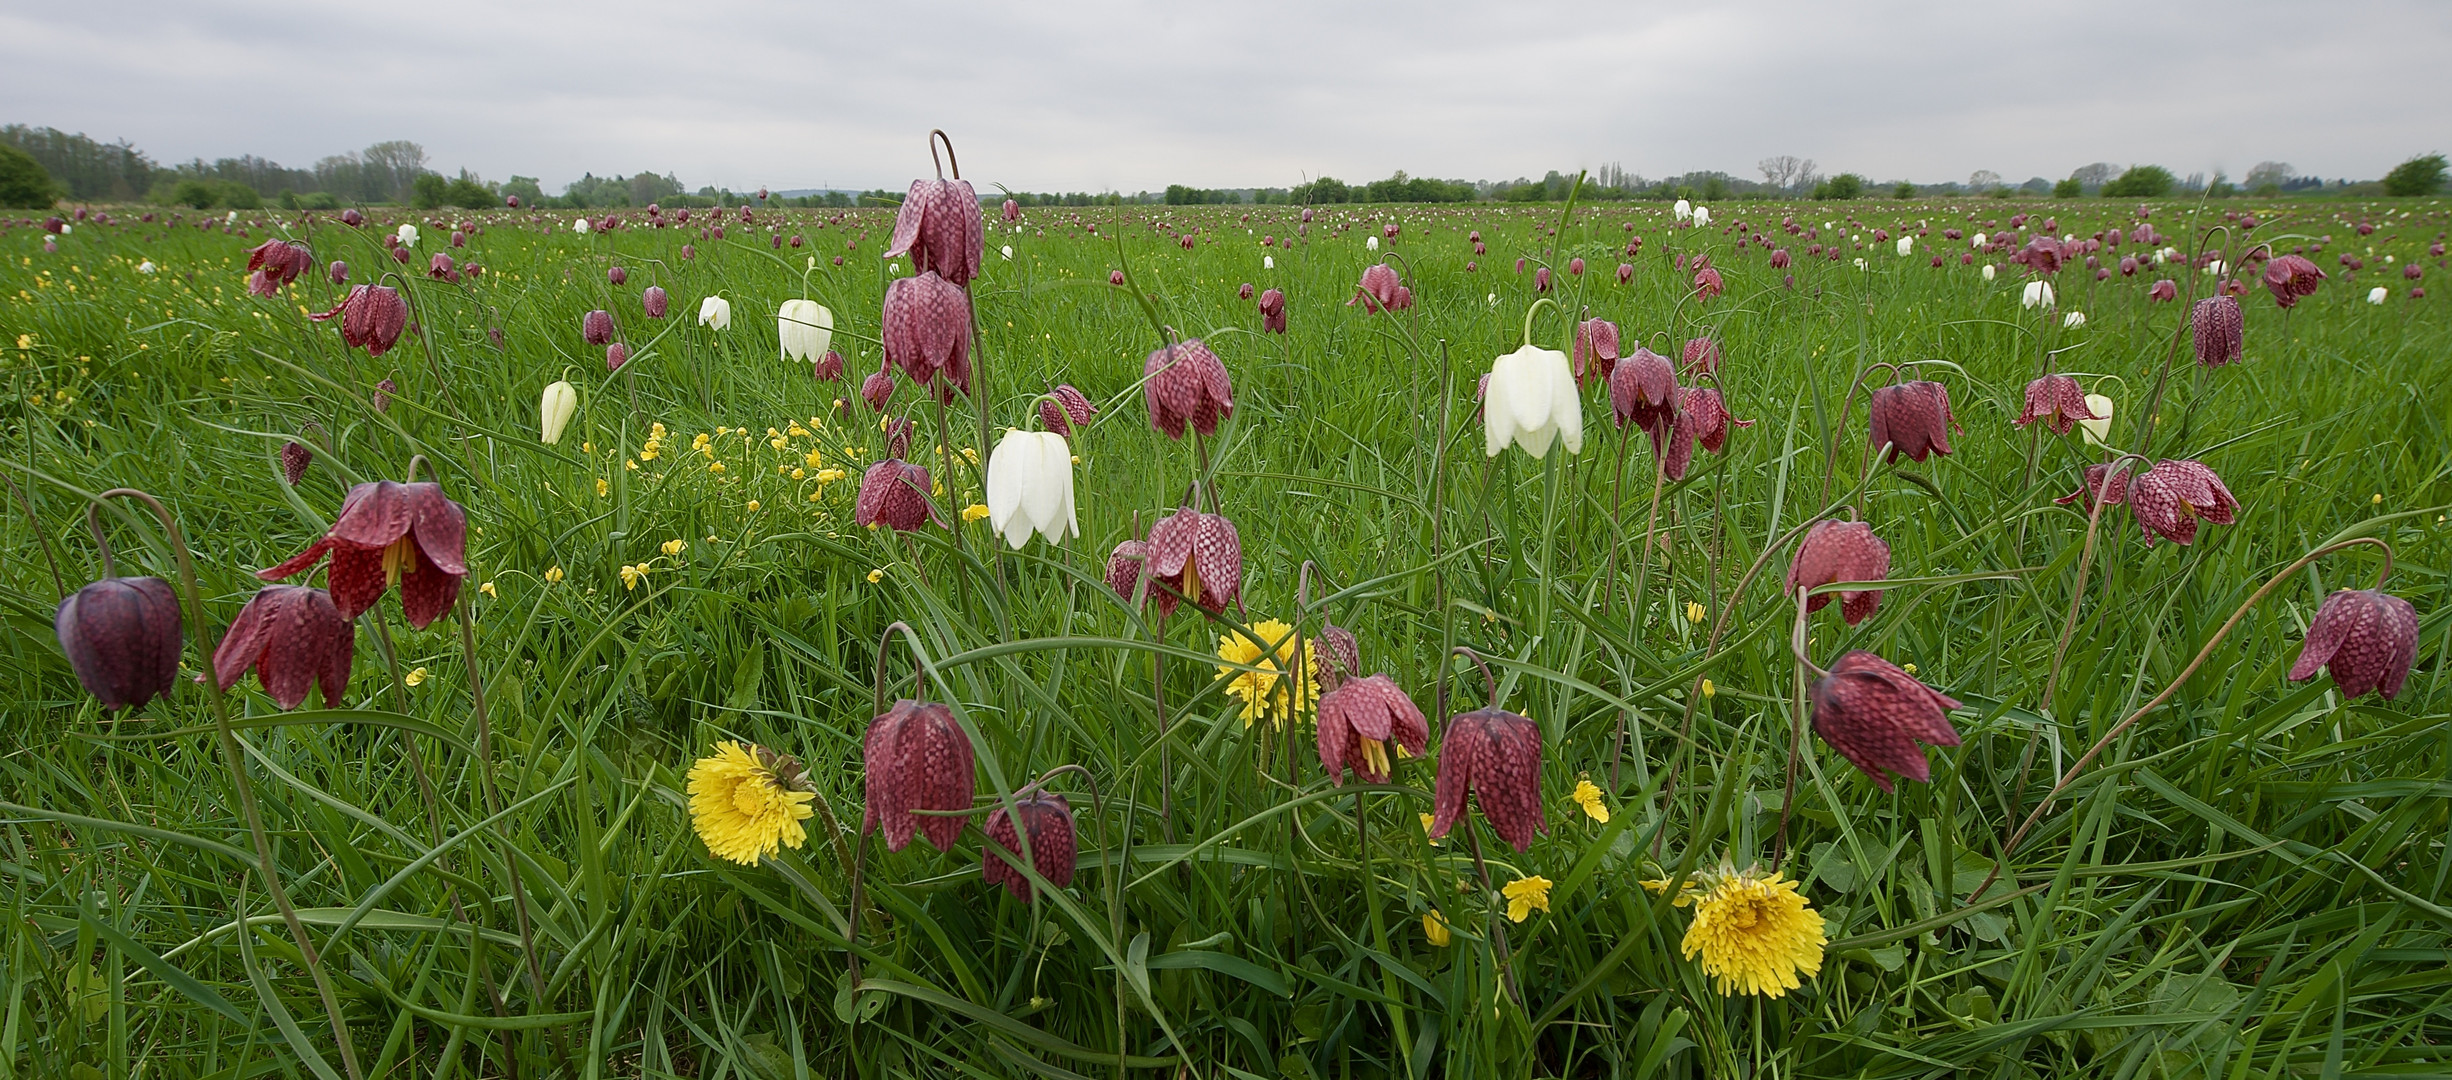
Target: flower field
1877,638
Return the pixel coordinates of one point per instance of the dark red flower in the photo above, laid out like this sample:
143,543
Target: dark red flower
2058,401
1702,355
2164,290
2170,497
1064,408
2099,478
1626,273
1874,714
827,368
275,263
1496,756
1187,383
1643,392
617,275
2042,255
655,301
2365,637
1596,349
295,638
2290,277
1124,566
939,226
1244,292
372,317
1053,849
927,329
916,757
877,389
1198,557
894,493
1359,719
295,457
1541,279
1707,283
1377,290
440,268
615,355
1013,210
1835,551
1339,654
391,534
122,638
1273,311
2217,325
1706,413
597,327
352,218
1912,418
339,272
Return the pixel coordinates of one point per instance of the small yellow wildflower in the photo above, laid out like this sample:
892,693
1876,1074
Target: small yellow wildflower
1755,933
796,473
817,495
1694,612
2378,500
1260,689
632,575
1434,928
1427,821
1588,795
603,488
747,802
1908,668
415,676
1708,689
876,575
974,512
752,507
829,476
796,430
675,546
778,442
553,574
813,459
715,466
1526,895
488,589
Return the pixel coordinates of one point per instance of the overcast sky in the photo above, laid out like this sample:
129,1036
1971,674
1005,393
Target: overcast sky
1131,95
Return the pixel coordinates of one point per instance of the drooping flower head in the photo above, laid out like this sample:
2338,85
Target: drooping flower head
1705,412
1835,551
597,327
295,457
1874,714
926,329
1359,718
391,534
804,328
1030,487
1273,311
1124,566
2216,325
2058,401
894,493
1185,383
1377,291
1596,350
1054,849
1258,670
1707,283
1340,656
122,637
2290,277
1064,408
2365,637
2170,497
1529,399
1756,934
2099,478
372,317
916,757
1912,418
939,226
1198,557
294,638
2164,290
1702,356
1643,392
1494,755
655,301
273,264
747,802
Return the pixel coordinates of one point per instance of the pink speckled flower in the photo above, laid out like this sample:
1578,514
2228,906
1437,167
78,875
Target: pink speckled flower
1835,551
1495,756
2170,497
2365,637
1874,714
916,757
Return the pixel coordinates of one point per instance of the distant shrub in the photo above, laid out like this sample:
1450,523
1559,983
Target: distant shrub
1842,186
2069,188
2141,182
2417,176
468,194
429,191
24,184
1905,190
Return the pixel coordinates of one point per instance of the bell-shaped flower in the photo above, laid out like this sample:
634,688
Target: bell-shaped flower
715,313
1273,311
2217,326
1706,414
1124,567
2169,498
1596,349
1030,488
2058,401
655,301
1054,850
295,638
1912,418
274,264
1198,557
1702,217
2365,637
1643,392
926,329
1377,290
122,637
597,327
2290,277
1530,400
406,236
939,227
1186,383
1875,714
372,318
916,757
877,388
295,458
2098,479
2038,294
1065,409
1701,356
894,493
391,534
554,410
1359,719
1835,551
2098,429
806,328
1494,756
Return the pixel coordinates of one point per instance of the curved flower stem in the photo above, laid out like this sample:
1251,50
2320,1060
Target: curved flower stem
2010,845
102,544
1796,725
1489,681
1534,308
228,737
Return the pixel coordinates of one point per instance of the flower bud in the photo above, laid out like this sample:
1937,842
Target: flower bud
122,638
554,411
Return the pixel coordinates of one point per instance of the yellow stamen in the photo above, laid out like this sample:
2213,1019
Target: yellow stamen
1376,752
399,557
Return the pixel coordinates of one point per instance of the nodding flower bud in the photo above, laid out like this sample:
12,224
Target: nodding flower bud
939,228
1244,292
615,355
1874,714
1494,756
1835,551
1273,311
295,457
1053,847
122,637
1702,356
1124,566
1596,350
1339,654
1013,211
916,757
2290,277
597,327
655,301
1198,557
2169,498
1541,279
2163,291
1186,383
1064,409
2218,328
372,317
2058,401
1376,292
894,493
926,330
339,272
352,218
2365,637
827,368
617,275
1912,418
877,389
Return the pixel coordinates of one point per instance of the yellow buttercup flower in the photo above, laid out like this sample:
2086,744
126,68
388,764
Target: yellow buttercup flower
632,575
675,546
1434,928
488,589
747,802
1588,795
974,512
1427,820
415,676
1261,691
1708,689
1525,896
603,488
554,574
877,575
1755,933
751,506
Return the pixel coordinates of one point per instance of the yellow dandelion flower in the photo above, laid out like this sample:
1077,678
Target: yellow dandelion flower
554,574
488,589
415,676
1526,895
1755,933
1908,668
1588,795
1434,929
747,802
974,511
1261,688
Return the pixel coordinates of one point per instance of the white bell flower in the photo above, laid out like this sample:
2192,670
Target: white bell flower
2099,428
1006,251
1532,402
1702,217
1683,210
1030,488
1907,246
1976,240
2038,294
553,411
579,225
806,328
715,313
2374,296
407,235
147,267
1268,262
1989,271
1371,242
2073,320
